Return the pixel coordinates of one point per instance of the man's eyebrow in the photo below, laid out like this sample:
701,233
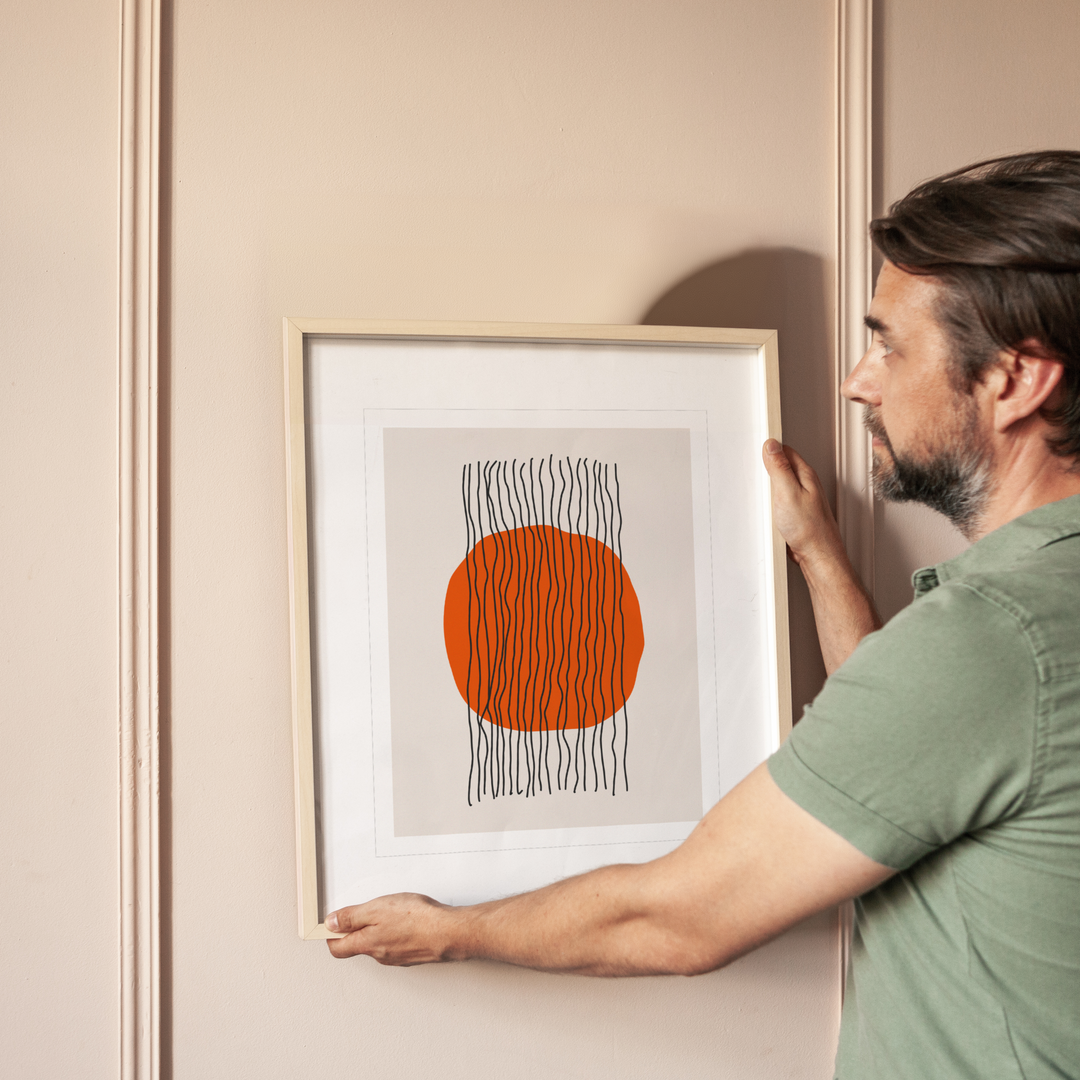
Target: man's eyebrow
875,324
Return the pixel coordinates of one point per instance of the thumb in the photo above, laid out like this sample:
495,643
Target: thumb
776,460
344,920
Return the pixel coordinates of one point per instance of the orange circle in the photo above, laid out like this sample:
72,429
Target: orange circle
543,630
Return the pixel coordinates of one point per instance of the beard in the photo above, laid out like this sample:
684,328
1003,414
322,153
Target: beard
954,480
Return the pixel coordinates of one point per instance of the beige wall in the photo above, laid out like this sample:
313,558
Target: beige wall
961,82
473,160
58,587
603,161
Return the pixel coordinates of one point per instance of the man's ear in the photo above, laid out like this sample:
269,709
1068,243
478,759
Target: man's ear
1024,382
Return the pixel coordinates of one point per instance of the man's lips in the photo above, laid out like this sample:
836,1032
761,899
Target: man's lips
873,424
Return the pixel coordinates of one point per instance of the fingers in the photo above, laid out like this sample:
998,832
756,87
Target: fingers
340,948
805,472
800,511
785,482
784,464
347,921
788,486
361,929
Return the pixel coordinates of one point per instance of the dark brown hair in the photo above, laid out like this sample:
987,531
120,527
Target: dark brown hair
1003,237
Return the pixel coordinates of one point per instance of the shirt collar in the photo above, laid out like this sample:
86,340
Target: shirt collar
1005,545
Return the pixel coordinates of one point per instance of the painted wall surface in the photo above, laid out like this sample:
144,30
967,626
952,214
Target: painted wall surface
58,585
959,83
597,162
624,162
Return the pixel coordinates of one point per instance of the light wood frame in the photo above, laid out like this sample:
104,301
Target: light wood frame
296,332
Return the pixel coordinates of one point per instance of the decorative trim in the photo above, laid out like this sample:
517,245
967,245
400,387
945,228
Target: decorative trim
140,908
854,287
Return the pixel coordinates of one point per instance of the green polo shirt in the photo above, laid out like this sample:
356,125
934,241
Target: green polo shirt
948,747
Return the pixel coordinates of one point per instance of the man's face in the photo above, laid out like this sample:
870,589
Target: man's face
930,443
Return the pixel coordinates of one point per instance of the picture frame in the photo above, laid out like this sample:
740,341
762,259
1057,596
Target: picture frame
634,518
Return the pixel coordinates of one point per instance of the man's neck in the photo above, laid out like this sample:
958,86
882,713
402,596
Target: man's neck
1029,477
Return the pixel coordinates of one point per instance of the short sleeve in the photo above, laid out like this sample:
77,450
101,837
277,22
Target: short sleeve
926,733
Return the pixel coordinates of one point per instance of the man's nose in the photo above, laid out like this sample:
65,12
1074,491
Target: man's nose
862,385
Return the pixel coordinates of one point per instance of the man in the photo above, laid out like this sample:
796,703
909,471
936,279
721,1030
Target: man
936,777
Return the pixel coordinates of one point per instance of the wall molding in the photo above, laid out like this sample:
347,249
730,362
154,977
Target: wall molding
854,281
854,288
139,747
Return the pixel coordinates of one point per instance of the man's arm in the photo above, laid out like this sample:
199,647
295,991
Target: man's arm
843,610
755,865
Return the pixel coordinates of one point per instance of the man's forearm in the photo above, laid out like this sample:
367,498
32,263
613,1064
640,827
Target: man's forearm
613,921
843,611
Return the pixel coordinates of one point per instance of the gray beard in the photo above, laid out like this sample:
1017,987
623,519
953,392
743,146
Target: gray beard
955,481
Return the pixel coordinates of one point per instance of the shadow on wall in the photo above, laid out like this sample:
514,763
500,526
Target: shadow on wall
789,291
